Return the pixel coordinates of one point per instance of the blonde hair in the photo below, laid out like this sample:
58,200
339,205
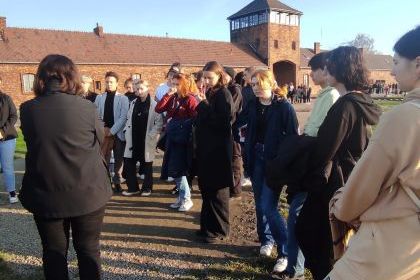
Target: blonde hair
140,82
265,79
85,78
281,91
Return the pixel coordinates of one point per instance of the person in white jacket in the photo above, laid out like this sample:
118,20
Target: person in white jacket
141,132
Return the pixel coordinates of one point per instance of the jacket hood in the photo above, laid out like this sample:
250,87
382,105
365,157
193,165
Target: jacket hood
413,95
365,105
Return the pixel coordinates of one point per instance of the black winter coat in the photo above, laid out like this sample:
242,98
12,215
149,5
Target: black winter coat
341,140
281,123
8,117
65,174
214,140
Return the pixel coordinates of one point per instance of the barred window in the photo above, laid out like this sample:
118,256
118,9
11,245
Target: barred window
28,83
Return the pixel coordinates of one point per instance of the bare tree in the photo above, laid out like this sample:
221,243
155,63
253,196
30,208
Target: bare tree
363,41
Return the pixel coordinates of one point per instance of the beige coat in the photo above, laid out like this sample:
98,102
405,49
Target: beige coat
387,245
154,127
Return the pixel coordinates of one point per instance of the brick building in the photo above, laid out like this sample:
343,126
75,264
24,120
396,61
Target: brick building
265,33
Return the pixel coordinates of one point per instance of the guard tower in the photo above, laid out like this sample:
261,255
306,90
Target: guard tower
272,30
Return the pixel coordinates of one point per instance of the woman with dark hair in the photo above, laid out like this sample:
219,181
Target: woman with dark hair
214,153
66,182
8,135
180,106
382,193
340,142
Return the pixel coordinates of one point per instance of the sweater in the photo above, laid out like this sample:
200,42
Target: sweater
326,98
374,190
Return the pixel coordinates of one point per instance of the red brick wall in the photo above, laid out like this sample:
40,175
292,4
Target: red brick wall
13,85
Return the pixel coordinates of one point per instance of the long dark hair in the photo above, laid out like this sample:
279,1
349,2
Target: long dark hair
347,66
60,68
214,66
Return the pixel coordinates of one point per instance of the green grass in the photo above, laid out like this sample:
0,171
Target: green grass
387,105
20,146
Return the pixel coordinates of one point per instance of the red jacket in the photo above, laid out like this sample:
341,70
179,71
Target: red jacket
186,105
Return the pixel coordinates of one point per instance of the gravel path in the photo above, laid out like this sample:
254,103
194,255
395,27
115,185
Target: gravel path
142,238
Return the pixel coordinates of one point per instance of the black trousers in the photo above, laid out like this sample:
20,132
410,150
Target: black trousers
313,233
237,169
55,235
214,219
130,173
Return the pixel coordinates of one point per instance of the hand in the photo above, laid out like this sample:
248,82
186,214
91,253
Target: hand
107,131
201,96
171,91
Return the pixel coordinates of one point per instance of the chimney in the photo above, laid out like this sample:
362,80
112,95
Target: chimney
3,34
317,47
99,30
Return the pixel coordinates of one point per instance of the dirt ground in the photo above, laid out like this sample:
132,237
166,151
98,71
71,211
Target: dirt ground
143,238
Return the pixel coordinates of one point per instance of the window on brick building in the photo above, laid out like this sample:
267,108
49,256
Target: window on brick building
136,76
306,80
294,45
28,82
276,44
98,85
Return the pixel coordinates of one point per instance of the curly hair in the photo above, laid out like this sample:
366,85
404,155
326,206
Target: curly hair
346,65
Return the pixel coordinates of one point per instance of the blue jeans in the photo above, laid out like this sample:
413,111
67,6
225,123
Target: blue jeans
271,226
184,189
296,260
7,152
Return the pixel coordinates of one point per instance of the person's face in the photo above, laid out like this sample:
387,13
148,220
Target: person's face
406,72
85,86
247,77
210,78
129,87
141,90
255,87
111,83
176,84
200,82
318,76
170,76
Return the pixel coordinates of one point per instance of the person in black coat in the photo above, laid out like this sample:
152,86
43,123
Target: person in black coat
8,135
237,164
270,119
66,182
214,154
341,140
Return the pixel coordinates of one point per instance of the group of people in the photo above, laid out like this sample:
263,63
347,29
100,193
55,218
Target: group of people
339,179
384,88
301,94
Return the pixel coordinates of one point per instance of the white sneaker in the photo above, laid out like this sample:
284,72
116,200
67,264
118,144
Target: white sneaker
265,250
13,199
127,193
176,204
281,265
246,182
170,179
186,205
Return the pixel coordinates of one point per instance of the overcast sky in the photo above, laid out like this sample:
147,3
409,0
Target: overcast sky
331,22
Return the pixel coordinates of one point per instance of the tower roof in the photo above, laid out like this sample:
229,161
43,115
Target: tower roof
264,5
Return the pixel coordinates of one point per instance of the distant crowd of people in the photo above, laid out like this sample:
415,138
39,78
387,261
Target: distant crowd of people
226,128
